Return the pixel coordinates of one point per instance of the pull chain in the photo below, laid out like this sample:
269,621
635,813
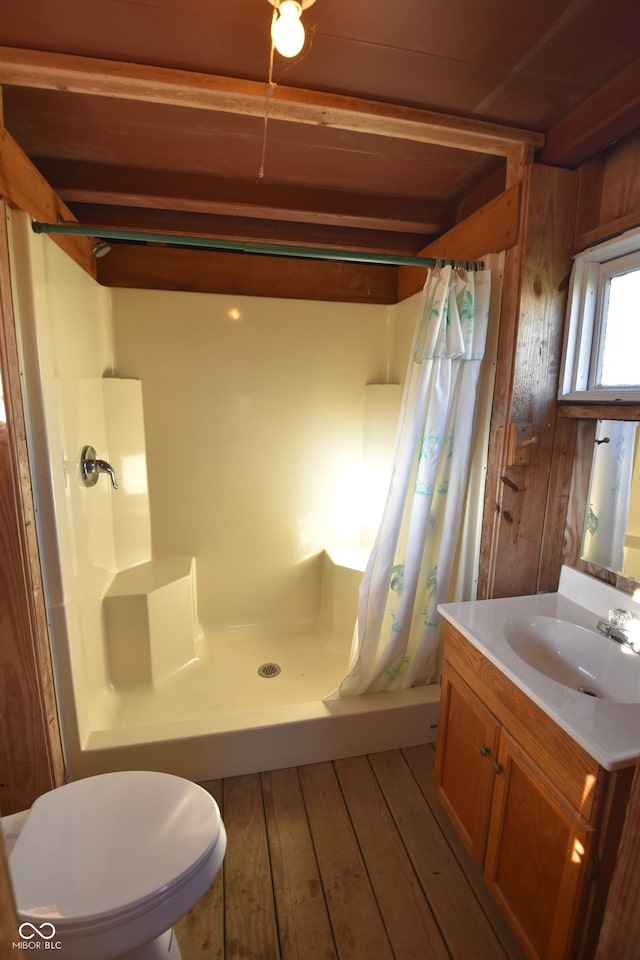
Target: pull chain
270,88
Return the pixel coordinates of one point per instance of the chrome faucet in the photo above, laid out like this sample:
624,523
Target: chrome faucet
91,468
622,627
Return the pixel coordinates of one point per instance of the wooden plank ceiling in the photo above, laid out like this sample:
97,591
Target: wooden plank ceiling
112,102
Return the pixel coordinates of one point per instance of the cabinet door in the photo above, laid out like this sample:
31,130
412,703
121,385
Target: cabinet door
537,854
466,747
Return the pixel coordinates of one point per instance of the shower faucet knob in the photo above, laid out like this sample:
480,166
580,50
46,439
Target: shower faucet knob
91,468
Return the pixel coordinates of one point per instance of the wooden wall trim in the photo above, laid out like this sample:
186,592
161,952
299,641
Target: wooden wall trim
501,401
132,81
599,411
605,231
31,760
491,229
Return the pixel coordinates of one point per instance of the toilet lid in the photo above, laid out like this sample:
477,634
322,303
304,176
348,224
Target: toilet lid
99,847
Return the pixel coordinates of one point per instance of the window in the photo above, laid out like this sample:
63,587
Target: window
601,358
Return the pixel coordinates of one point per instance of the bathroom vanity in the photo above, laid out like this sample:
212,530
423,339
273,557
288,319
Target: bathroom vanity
534,773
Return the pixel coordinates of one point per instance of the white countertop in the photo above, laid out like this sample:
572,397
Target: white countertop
608,731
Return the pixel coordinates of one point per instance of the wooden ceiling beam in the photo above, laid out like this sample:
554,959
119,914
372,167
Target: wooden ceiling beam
251,231
23,187
241,274
131,81
78,182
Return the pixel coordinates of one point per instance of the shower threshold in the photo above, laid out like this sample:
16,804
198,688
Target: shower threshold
217,717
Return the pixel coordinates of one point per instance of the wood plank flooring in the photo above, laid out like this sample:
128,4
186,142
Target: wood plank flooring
349,860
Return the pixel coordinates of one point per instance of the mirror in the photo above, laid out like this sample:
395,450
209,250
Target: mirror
611,537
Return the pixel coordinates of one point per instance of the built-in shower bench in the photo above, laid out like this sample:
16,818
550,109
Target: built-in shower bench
151,623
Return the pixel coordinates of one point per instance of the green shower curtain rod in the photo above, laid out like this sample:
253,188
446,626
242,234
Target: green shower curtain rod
269,249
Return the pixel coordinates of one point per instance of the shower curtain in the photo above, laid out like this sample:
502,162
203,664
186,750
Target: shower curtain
410,567
609,495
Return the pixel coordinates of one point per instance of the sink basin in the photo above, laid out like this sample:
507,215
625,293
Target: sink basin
576,657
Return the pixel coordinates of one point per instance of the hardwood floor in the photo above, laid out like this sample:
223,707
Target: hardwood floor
352,860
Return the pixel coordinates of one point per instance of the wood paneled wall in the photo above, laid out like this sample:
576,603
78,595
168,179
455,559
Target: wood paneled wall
609,195
608,204
529,350
534,514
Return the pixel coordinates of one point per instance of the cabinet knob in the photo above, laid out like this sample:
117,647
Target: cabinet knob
497,768
484,751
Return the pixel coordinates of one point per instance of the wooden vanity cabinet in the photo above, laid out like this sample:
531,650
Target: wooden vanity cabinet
464,772
539,816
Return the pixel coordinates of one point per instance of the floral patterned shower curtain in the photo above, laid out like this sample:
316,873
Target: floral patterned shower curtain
609,493
410,567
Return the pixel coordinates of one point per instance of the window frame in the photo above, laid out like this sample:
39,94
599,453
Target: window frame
582,348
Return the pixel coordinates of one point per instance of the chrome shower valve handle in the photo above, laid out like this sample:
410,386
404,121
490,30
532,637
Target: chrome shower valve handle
91,468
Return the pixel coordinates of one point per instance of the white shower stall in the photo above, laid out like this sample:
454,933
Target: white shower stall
251,441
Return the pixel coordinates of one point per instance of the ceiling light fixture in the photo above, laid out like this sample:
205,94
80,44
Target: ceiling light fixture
287,31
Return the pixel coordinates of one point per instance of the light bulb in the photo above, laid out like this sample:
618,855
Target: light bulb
287,32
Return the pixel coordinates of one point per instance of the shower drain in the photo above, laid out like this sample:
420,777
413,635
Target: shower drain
269,670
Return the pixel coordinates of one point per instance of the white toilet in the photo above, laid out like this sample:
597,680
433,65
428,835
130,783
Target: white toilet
103,867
